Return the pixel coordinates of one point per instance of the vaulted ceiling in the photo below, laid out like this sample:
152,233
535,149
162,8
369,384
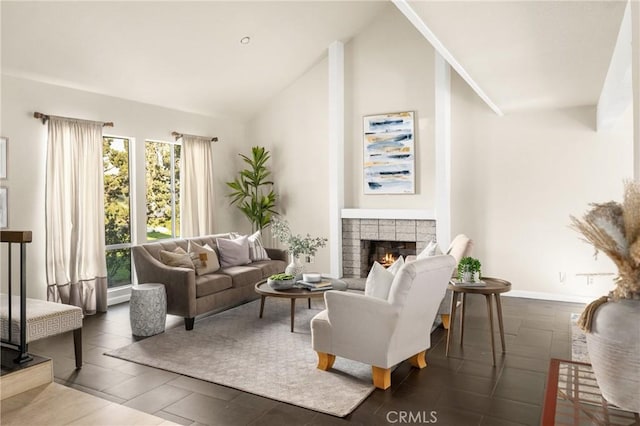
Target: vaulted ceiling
188,56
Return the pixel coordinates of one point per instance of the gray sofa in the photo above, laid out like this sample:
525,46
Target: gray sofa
188,294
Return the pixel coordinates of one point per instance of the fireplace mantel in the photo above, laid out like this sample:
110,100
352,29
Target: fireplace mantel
406,214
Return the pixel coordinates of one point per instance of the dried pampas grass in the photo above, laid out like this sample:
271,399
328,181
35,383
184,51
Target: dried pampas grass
614,229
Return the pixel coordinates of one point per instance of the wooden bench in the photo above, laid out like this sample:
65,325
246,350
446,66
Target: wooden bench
44,319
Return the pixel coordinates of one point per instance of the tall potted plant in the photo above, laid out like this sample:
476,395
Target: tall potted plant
249,189
612,323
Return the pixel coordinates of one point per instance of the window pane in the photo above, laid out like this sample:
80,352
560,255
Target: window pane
178,162
162,190
117,209
118,267
116,190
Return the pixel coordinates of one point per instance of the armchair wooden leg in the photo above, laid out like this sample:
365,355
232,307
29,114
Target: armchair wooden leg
418,360
381,377
445,320
325,361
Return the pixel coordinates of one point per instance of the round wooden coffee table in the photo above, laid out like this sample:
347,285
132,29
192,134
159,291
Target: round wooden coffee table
493,288
264,290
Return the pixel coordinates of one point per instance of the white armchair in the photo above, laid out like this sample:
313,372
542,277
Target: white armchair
381,332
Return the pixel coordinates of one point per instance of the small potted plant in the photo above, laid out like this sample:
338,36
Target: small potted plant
469,270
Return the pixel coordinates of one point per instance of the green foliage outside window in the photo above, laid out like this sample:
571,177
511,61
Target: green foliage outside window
163,190
117,209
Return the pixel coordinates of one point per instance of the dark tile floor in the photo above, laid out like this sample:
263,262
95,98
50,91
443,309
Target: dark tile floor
464,389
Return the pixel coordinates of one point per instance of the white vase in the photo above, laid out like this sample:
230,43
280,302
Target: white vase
295,267
614,351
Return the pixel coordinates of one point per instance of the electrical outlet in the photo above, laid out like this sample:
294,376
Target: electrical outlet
589,279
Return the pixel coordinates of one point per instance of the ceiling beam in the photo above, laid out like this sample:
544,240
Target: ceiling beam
421,26
617,92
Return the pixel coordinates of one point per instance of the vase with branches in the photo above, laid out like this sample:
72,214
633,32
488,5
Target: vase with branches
297,244
612,322
252,191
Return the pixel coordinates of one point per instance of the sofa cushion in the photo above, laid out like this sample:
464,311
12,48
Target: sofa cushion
204,258
242,275
176,258
233,252
212,283
269,267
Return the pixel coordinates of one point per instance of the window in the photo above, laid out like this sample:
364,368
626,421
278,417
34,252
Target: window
163,189
117,210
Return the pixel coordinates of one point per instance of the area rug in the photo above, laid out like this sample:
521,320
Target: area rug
578,341
258,355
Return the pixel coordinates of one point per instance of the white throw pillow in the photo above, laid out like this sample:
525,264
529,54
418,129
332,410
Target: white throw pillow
378,282
233,252
177,258
204,258
256,249
432,249
380,279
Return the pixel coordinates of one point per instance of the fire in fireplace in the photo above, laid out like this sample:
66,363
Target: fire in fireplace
387,260
383,252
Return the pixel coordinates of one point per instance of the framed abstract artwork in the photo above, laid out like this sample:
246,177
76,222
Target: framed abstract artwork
389,153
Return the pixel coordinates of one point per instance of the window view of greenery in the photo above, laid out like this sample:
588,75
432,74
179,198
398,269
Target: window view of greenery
117,210
163,189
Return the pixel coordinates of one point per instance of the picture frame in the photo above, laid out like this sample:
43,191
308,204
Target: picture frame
4,208
3,157
389,153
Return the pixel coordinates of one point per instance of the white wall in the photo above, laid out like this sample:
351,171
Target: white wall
295,128
27,154
515,181
635,46
389,67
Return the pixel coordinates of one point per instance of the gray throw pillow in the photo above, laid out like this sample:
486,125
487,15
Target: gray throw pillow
233,252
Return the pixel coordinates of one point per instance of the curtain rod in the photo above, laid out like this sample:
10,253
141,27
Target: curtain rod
45,117
179,135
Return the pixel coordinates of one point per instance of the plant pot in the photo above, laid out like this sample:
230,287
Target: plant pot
614,350
467,277
295,267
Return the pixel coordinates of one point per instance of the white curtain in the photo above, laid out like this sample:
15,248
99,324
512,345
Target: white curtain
75,251
196,187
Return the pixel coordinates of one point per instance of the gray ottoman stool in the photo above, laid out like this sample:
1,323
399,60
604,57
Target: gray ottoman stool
148,309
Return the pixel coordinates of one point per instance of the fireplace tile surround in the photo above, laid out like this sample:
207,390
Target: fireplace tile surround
354,230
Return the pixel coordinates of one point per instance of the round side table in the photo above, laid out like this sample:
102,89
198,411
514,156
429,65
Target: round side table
148,309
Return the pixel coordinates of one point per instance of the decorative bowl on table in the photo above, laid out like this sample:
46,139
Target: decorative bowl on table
281,281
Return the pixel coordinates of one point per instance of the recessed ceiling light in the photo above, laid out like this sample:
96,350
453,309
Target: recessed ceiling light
245,40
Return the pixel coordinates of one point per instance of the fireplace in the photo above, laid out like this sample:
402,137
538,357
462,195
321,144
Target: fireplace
357,235
383,252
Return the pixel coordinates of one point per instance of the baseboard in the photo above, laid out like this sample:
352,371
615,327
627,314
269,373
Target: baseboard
550,296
